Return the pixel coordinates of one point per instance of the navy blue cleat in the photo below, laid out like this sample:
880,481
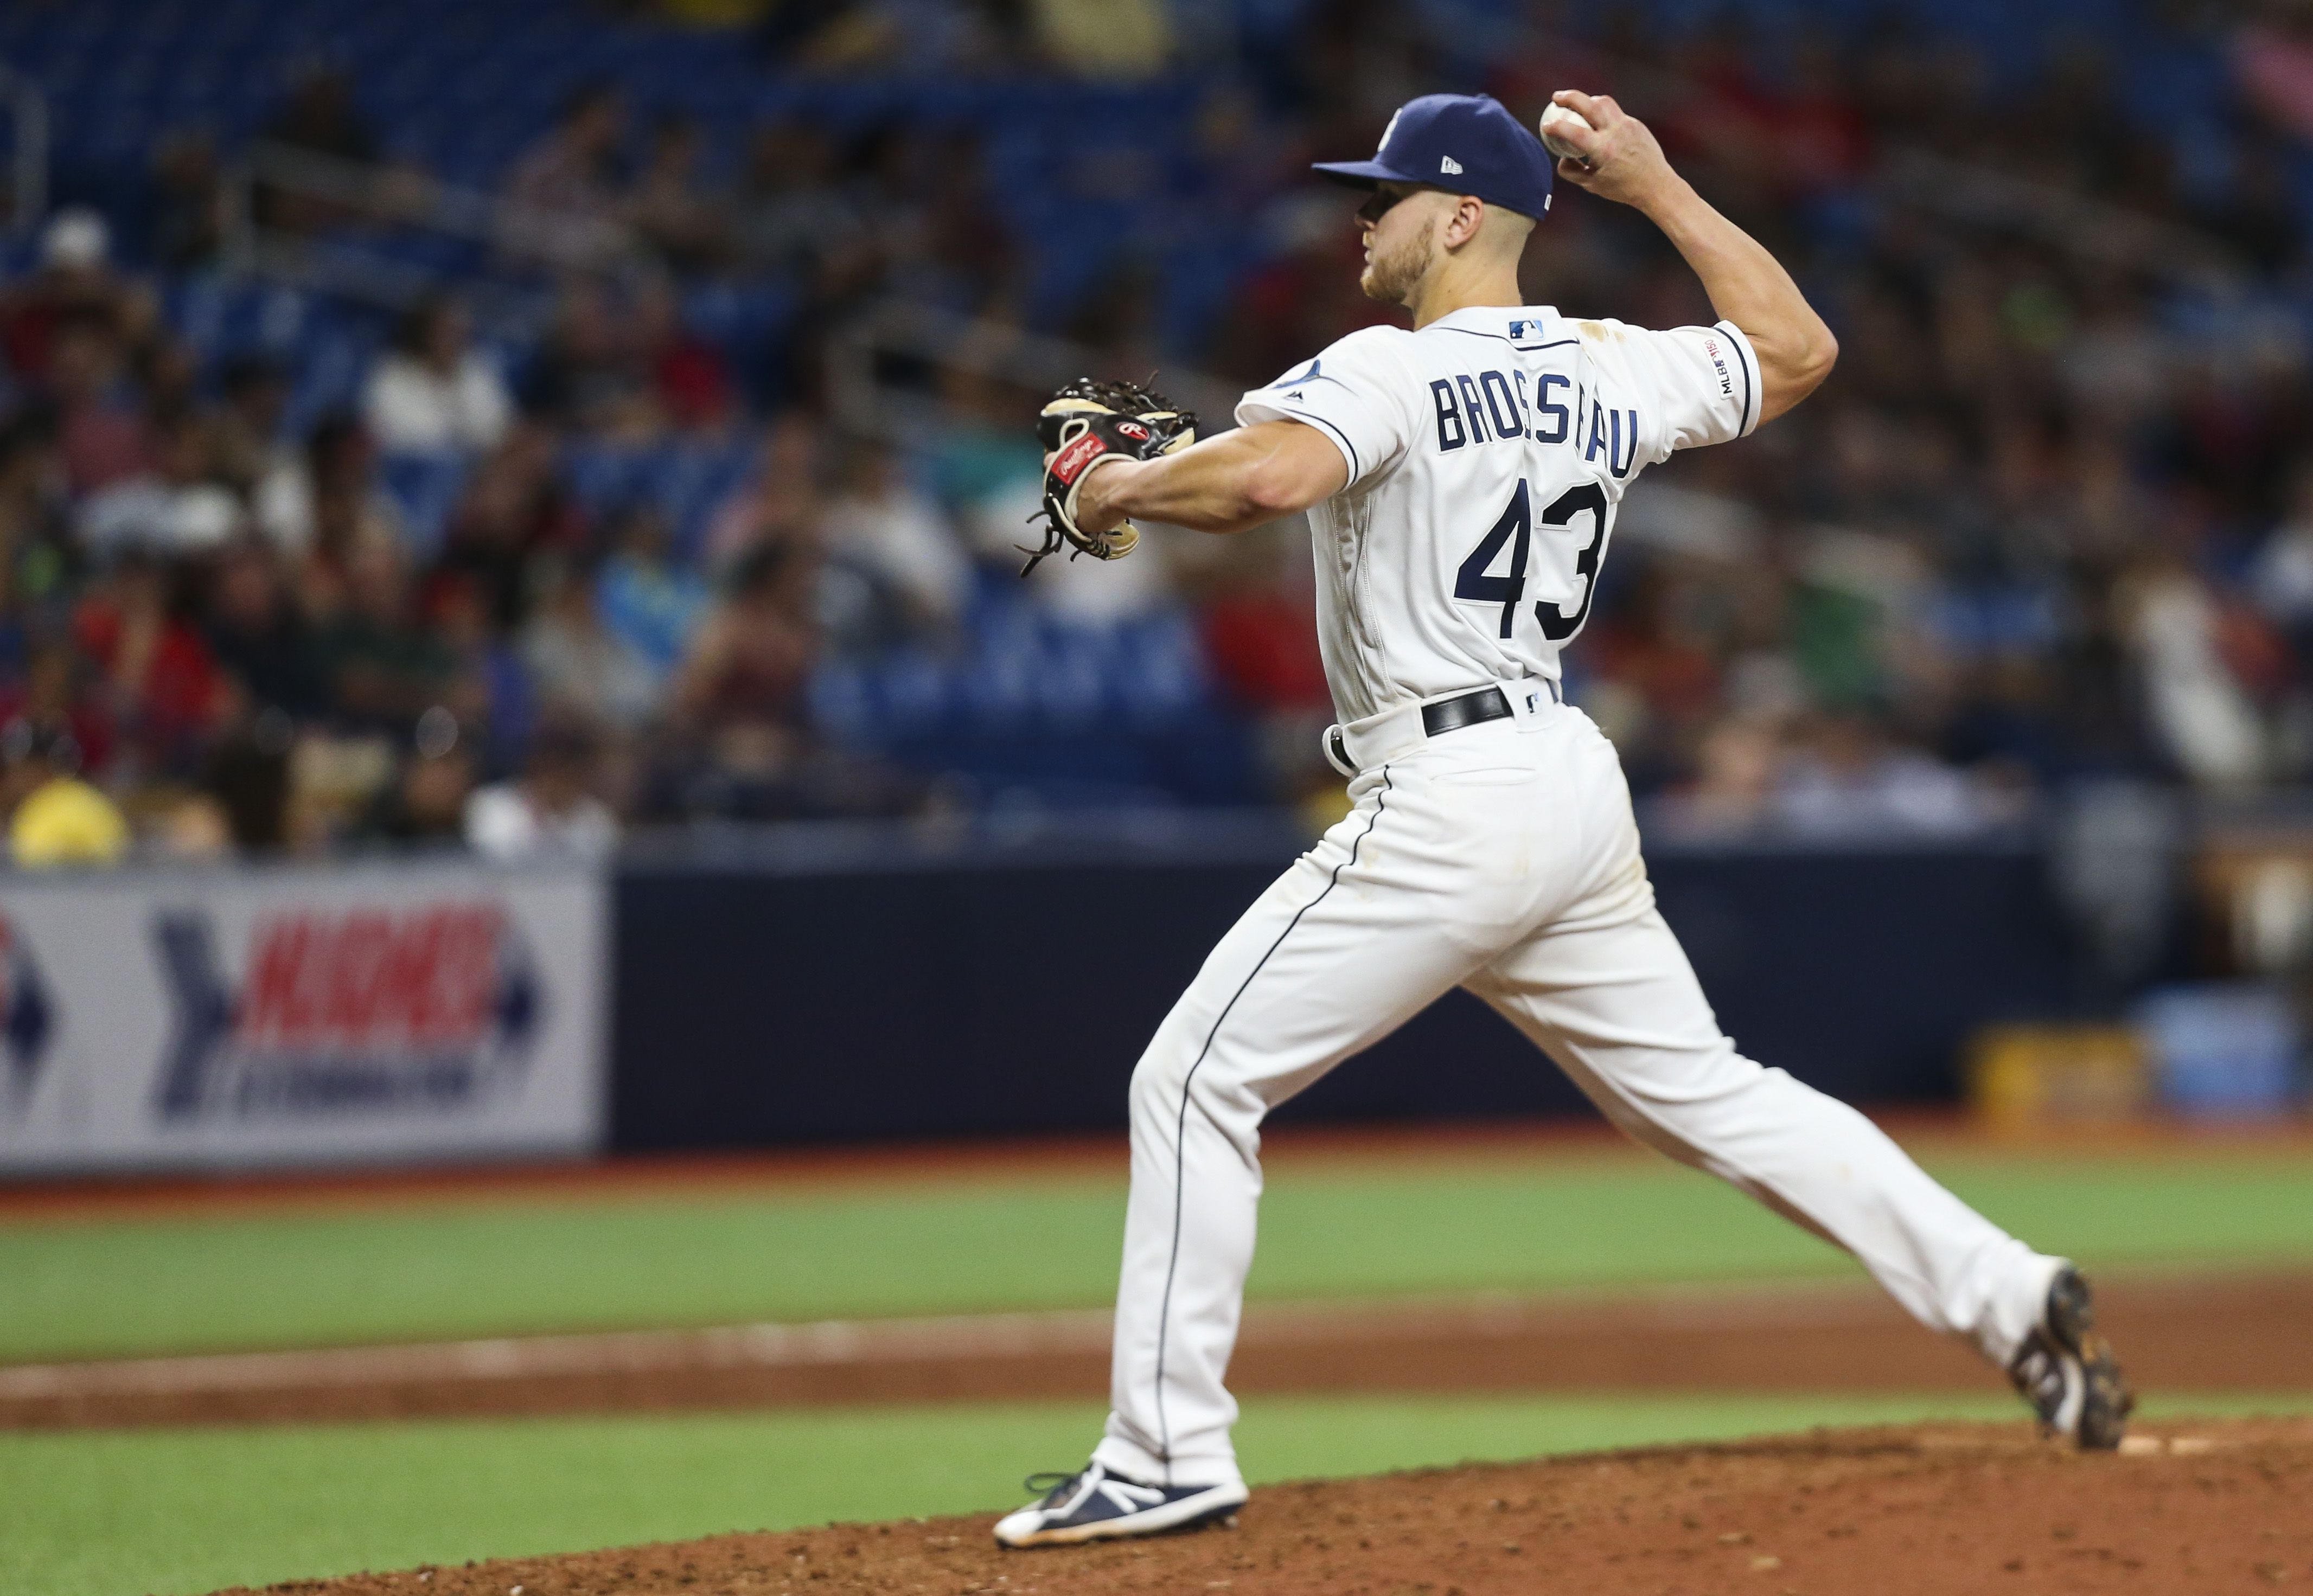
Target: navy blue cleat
1098,1505
2066,1370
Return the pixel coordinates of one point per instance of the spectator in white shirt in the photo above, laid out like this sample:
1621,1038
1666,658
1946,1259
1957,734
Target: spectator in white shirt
433,393
888,536
551,811
583,671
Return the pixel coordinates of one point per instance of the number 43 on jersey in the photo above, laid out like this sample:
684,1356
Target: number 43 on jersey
1515,528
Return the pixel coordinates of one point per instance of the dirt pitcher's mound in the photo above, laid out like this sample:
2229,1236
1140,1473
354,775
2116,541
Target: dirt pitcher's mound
1957,1509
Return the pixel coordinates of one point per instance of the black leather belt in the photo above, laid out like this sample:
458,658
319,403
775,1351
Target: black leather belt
1446,714
1471,709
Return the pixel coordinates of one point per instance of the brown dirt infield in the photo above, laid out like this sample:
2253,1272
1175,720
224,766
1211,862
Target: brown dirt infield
1942,1510
2212,1334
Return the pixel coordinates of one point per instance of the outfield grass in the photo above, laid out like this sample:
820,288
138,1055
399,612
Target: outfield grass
493,1265
170,1511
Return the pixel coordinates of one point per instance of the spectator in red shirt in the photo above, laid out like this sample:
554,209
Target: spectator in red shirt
102,437
160,683
688,375
75,281
56,694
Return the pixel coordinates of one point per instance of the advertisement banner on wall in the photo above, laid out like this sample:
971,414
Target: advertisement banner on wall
300,1016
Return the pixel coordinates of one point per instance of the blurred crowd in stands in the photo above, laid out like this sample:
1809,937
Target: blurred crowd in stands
2052,518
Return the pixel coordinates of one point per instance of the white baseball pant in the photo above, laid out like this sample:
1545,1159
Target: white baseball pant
1502,858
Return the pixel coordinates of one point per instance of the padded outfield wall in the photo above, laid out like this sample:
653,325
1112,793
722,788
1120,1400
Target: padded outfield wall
862,984
858,984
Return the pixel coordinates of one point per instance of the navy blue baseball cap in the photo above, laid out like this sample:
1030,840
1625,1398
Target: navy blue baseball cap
1465,143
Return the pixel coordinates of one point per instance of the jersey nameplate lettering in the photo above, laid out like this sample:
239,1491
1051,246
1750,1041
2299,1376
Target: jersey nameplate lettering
1487,455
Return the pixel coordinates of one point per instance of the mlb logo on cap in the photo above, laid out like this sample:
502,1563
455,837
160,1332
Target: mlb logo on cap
1471,139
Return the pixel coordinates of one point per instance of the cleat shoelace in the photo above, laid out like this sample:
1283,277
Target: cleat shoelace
1052,1485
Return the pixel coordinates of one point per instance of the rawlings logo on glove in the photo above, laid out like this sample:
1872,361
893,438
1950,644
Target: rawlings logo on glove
1068,464
1082,424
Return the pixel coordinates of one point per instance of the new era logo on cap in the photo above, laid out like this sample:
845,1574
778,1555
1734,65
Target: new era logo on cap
1449,166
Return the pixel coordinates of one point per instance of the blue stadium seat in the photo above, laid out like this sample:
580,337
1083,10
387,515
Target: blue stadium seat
602,479
425,487
842,705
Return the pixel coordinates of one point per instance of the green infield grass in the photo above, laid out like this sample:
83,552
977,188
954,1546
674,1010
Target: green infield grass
498,1264
174,1512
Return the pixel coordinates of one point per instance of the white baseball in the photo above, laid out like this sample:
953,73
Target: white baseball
1555,118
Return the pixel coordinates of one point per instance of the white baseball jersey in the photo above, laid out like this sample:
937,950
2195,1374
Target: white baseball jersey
1487,453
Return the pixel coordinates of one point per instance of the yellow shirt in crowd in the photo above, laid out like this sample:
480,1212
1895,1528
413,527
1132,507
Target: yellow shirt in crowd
67,821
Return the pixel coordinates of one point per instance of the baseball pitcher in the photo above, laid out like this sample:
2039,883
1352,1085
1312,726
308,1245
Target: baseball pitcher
1461,480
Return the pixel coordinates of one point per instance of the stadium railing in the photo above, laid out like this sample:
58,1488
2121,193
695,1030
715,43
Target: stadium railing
404,234
28,149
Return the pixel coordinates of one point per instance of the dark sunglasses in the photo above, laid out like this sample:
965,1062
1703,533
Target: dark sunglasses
1378,203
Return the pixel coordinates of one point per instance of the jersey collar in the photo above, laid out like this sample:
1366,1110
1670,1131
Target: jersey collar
1520,324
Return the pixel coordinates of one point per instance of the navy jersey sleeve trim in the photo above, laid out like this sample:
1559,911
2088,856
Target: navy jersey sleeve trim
1753,384
1340,437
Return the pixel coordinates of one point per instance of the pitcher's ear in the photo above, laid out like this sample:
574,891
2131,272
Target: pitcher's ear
1469,216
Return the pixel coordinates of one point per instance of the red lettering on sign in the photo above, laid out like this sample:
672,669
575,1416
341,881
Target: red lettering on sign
358,950
271,1006
372,979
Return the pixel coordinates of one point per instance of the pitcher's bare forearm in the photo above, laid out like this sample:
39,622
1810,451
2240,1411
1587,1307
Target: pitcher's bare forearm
1231,483
1748,285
